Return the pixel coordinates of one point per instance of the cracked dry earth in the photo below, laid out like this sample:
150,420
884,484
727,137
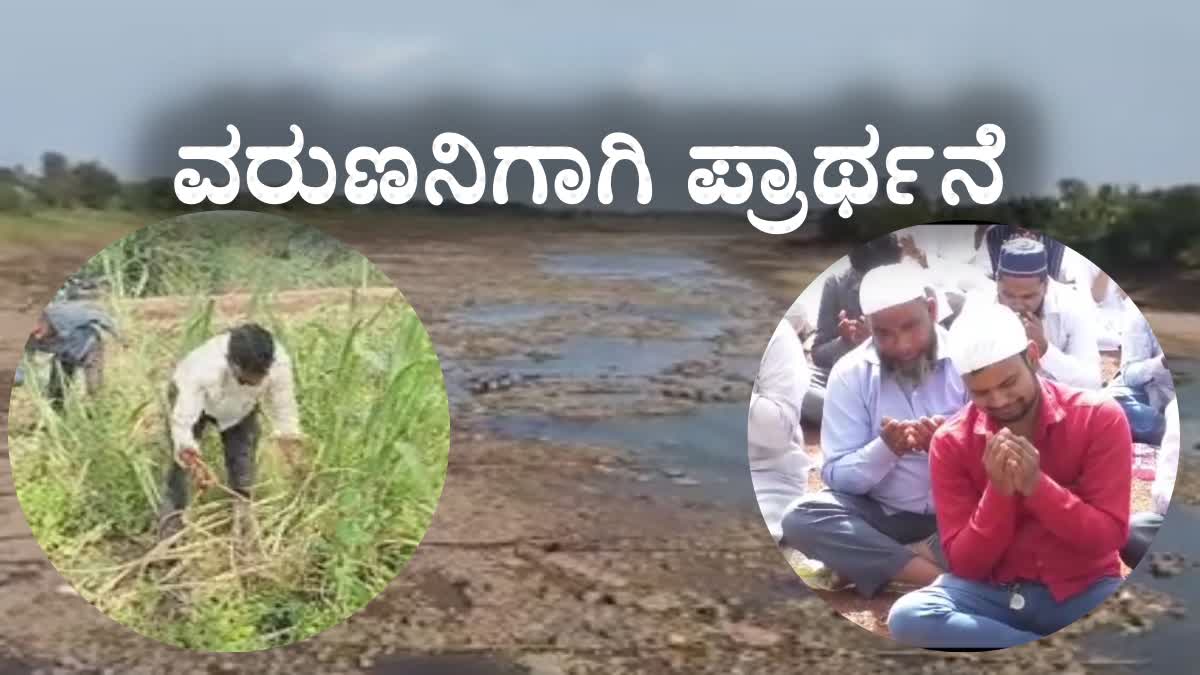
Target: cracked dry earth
540,559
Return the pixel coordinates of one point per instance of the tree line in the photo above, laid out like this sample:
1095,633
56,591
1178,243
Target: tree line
1114,225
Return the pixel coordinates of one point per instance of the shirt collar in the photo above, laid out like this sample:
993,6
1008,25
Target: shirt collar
941,354
1052,411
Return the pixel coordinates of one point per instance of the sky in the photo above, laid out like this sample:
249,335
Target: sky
1102,93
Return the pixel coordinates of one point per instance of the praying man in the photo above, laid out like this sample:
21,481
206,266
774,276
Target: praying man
221,384
1060,321
874,524
1032,483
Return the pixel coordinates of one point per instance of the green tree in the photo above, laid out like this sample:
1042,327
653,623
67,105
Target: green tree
57,187
94,185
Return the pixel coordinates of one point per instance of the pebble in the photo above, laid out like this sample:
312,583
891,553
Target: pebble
543,664
658,602
1166,565
674,473
752,636
676,640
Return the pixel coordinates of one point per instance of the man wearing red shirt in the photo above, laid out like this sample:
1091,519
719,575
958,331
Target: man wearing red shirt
1031,483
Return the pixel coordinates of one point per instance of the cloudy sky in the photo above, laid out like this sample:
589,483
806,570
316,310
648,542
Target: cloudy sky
1104,93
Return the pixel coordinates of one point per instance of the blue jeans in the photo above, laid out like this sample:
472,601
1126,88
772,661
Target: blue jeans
1146,423
954,613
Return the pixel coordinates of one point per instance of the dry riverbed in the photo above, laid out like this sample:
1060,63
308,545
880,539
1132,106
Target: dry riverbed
544,558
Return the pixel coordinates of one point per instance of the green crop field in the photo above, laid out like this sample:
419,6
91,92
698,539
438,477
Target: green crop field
332,535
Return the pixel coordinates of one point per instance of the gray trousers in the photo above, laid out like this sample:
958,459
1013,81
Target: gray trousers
851,535
813,406
241,446
1142,528
63,370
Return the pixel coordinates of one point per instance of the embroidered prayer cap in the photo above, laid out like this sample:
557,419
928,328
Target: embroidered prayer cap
891,285
985,333
1023,257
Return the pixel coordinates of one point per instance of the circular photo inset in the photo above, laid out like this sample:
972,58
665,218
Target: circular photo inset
964,436
229,431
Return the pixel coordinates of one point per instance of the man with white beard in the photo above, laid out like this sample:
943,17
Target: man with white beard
875,524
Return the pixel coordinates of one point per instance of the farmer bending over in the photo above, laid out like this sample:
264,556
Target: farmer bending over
221,383
72,333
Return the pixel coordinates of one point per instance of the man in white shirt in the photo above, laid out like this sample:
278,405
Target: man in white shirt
779,465
1059,319
221,383
1143,363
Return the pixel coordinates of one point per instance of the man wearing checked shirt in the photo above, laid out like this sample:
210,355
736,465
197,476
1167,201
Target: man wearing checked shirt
875,523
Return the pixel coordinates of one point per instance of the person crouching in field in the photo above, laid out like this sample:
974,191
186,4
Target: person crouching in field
1032,482
221,383
72,333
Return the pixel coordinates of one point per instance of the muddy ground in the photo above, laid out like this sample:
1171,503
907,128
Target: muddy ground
543,559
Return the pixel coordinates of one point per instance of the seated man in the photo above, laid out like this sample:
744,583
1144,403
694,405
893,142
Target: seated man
1144,385
1032,483
875,524
1110,305
948,251
1060,265
1144,526
1058,319
72,333
779,465
840,323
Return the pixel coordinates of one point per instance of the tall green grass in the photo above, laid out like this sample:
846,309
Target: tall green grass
373,404
372,401
227,251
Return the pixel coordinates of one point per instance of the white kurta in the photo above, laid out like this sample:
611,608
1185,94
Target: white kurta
779,465
1168,461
